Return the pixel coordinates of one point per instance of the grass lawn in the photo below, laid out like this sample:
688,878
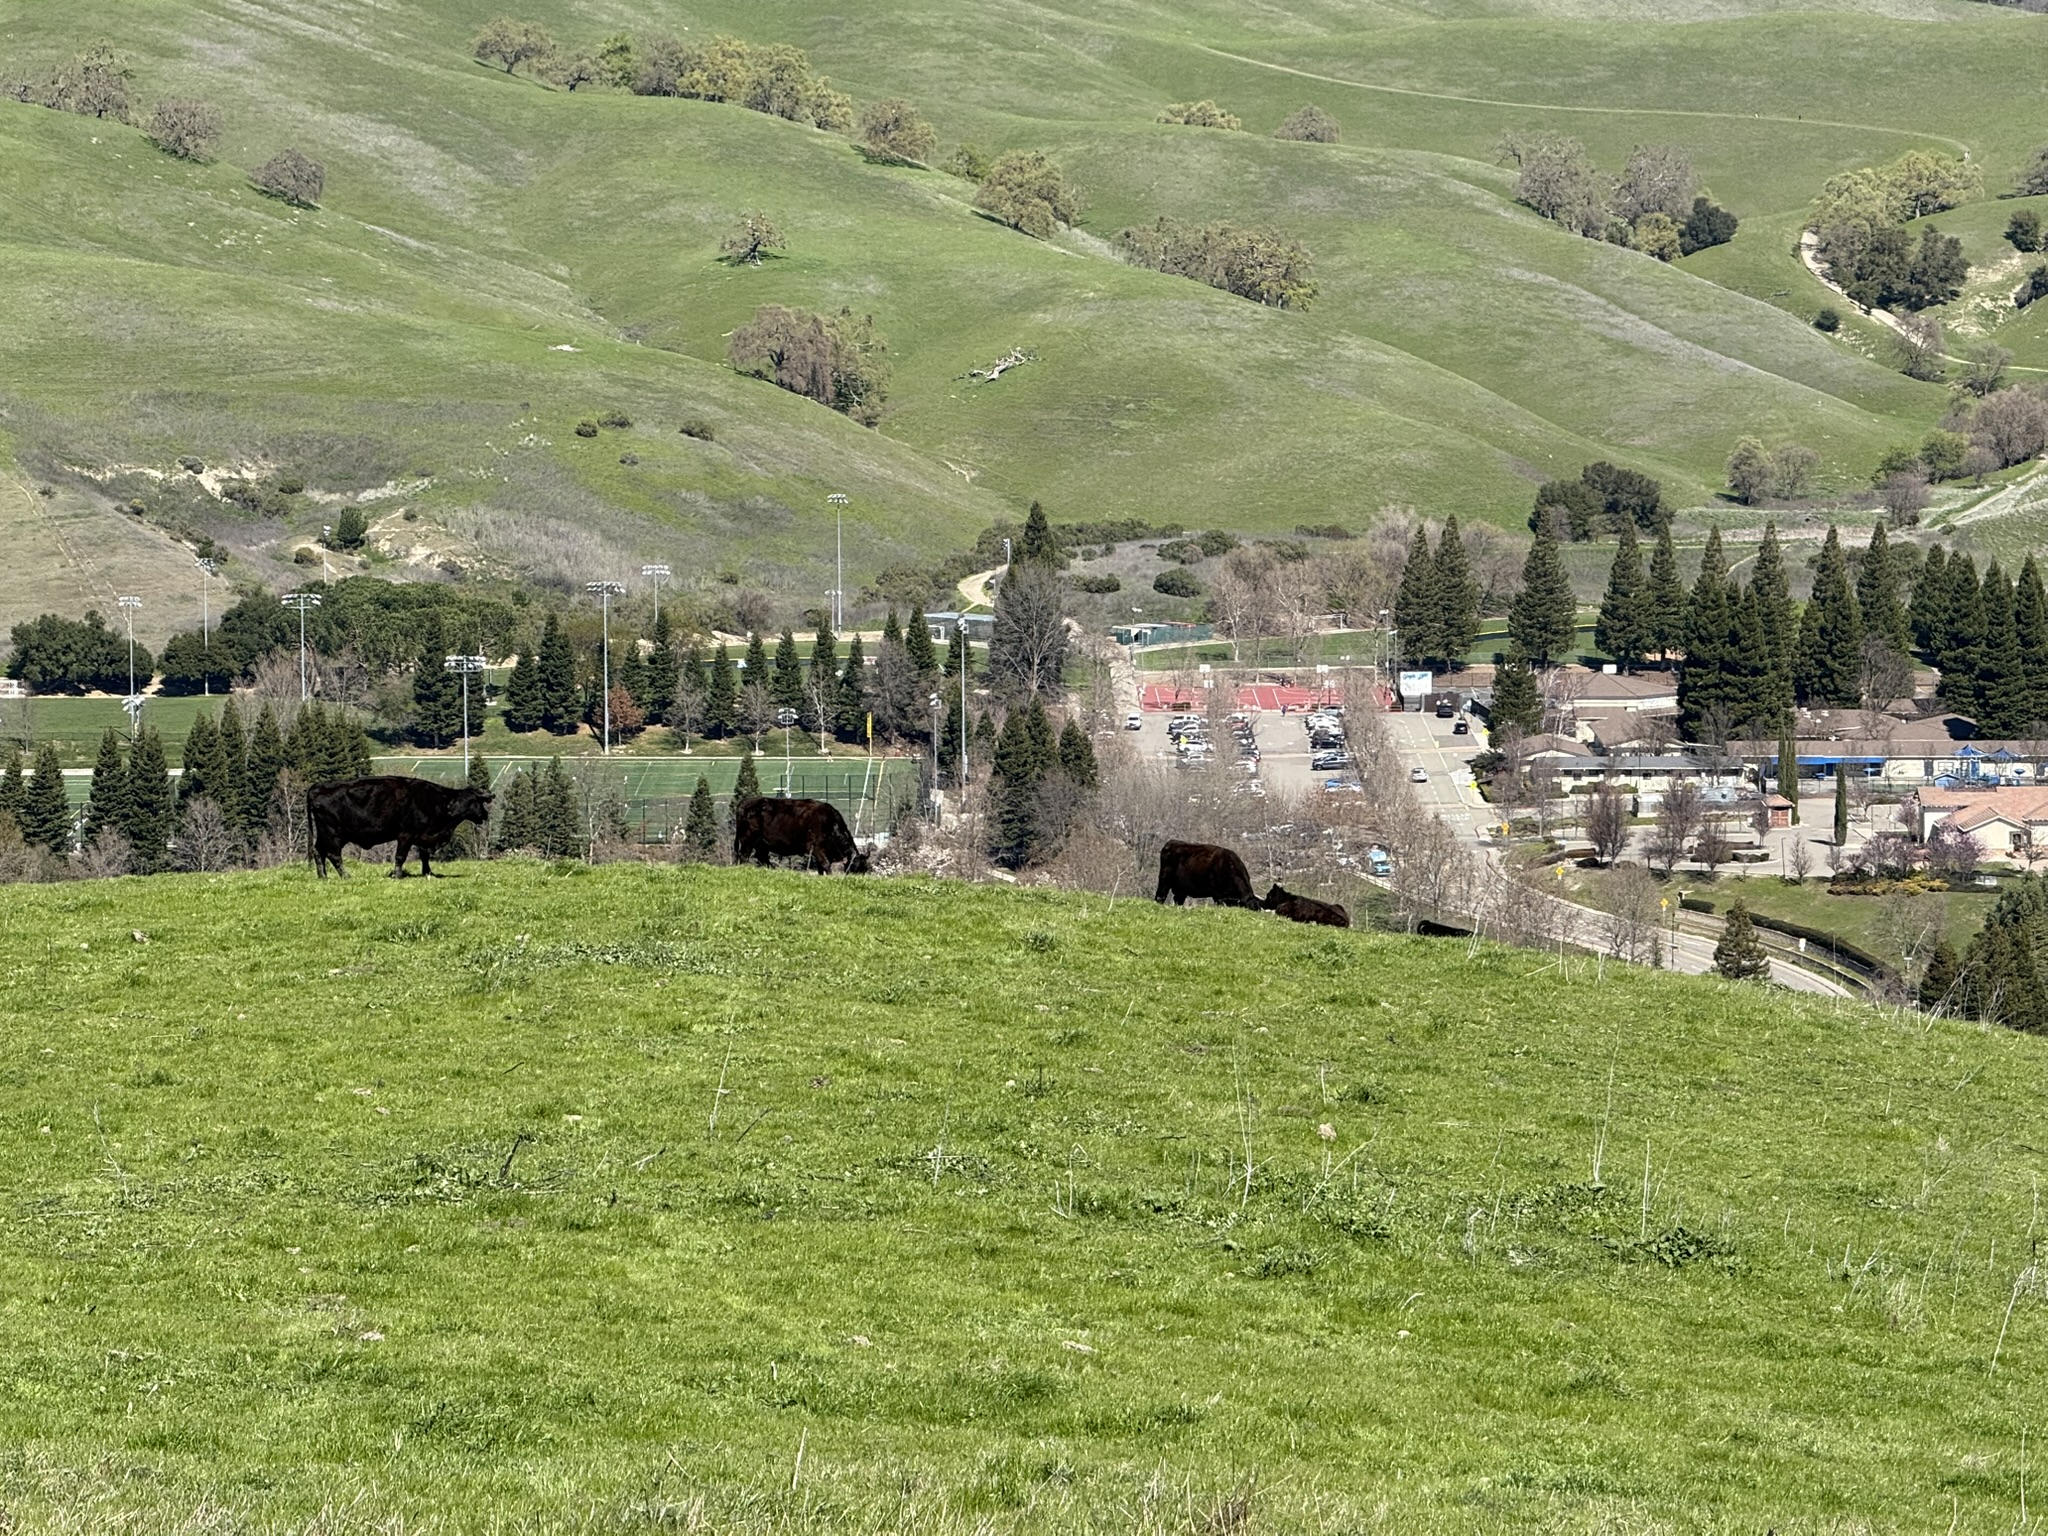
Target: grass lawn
551,1198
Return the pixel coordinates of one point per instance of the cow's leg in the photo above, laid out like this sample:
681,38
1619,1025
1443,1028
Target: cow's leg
401,849
1165,889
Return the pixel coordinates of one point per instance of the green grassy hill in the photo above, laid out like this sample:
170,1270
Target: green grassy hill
638,1199
476,225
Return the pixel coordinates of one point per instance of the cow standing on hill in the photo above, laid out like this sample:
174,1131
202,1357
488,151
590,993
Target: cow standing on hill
1188,871
764,829
389,808
1306,909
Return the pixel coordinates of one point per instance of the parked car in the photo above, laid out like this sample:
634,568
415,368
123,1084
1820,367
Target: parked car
1325,762
1444,710
1134,721
1461,727
1343,787
1418,775
1377,862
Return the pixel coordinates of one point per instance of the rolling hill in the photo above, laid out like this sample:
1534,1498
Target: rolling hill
478,225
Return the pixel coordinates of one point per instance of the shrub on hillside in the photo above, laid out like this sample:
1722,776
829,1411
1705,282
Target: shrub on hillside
1756,473
1708,224
698,428
835,360
1026,191
2034,288
1262,265
1656,234
586,429
773,78
512,43
1200,114
1098,584
295,178
1177,582
970,162
184,128
895,130
2033,180
1308,125
2023,230
1829,320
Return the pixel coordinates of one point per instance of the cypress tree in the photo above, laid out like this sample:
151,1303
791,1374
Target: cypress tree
1023,756
1959,649
12,788
1829,666
1515,699
470,841
205,763
108,805
1709,615
892,632
824,678
1877,593
1039,547
1457,596
152,812
700,831
748,785
1544,616
853,694
1775,610
984,742
517,824
1663,624
721,695
1938,981
1841,805
2000,978
266,760
1619,629
45,815
786,682
1749,686
558,813
2030,618
2001,680
1740,954
436,692
522,694
1927,613
234,751
1418,614
561,702
629,671
1077,756
1788,767
917,645
661,668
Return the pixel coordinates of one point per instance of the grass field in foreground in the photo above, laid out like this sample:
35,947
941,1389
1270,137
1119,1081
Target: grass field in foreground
629,1199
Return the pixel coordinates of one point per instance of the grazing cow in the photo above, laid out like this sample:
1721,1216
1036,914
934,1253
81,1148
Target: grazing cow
1191,870
1306,909
764,829
389,808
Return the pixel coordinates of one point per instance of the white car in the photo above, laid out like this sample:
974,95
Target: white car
1134,721
1418,775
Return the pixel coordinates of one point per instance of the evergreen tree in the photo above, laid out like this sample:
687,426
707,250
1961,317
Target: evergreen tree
823,677
721,695
2030,619
786,682
1619,629
266,760
1958,651
45,815
954,736
1938,981
1828,669
2002,698
234,751
917,645
558,813
1788,768
1927,614
152,808
1545,614
629,671
1077,756
522,694
748,785
2000,975
892,632
1877,593
518,825
1515,699
1750,689
1457,597
1023,756
436,692
853,705
700,831
470,841
108,804
1418,615
1740,954
1663,624
1841,806
205,774
661,668
1775,611
1703,693
12,789
561,701
1039,547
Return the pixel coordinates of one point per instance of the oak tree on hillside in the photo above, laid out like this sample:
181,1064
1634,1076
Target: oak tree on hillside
1201,114
895,130
1308,125
184,128
291,177
1026,191
754,235
835,360
511,43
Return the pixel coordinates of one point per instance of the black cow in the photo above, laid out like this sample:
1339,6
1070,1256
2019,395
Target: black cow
1191,870
1306,909
764,829
388,808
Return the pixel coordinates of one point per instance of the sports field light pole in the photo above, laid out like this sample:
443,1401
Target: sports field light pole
960,645
301,601
658,574
465,665
785,717
604,592
128,607
207,566
937,815
838,501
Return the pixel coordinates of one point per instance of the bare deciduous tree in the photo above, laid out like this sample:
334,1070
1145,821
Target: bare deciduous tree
1607,822
295,178
1634,901
1678,822
184,128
